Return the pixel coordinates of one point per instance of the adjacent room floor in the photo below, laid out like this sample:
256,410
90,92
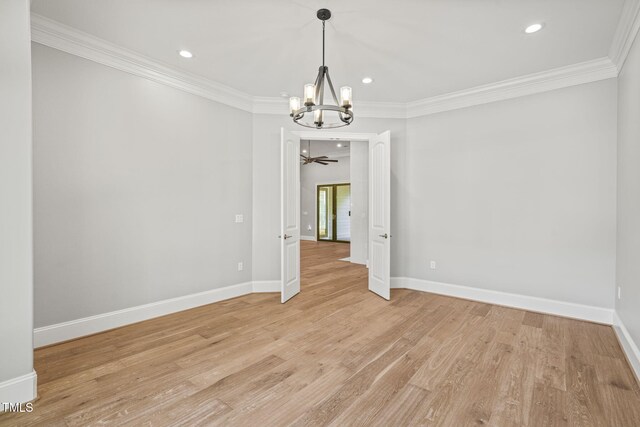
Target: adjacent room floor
338,354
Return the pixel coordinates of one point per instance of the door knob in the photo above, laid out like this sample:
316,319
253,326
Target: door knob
287,236
384,235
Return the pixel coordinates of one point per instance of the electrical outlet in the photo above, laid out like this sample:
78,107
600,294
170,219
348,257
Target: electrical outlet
239,218
240,266
619,292
432,265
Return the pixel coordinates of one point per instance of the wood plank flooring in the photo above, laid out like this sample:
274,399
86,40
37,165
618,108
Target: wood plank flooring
337,354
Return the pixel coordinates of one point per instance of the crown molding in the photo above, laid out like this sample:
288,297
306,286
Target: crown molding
627,30
68,39
381,110
576,74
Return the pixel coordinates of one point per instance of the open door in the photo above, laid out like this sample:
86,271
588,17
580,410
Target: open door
290,217
379,215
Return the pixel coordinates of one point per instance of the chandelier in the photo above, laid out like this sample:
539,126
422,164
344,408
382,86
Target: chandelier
339,114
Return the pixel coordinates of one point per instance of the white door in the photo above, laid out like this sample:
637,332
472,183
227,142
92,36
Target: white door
379,215
290,215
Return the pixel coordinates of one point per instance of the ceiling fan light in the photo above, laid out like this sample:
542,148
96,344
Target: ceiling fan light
309,94
294,105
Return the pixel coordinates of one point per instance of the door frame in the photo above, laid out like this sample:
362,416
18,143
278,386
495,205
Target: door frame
325,135
335,220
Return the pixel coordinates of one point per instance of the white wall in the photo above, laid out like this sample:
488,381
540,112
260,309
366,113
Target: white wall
266,186
628,254
136,187
517,196
16,280
359,201
310,176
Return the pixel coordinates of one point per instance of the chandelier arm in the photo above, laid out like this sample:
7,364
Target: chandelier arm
333,92
319,86
315,84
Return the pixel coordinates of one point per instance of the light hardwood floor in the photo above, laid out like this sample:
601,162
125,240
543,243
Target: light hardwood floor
338,354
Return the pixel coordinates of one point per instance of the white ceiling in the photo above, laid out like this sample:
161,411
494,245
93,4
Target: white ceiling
414,49
326,148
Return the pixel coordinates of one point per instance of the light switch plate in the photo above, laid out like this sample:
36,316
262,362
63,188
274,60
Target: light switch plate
240,266
239,218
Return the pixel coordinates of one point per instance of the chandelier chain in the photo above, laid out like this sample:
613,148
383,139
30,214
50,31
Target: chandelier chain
323,43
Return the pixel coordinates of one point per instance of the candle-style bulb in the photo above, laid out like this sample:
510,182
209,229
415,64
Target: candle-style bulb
294,105
309,94
345,97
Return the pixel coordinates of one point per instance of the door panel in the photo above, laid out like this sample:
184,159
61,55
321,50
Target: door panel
290,217
379,215
343,213
333,212
325,212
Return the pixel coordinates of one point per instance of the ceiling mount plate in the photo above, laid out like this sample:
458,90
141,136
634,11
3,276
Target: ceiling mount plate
324,14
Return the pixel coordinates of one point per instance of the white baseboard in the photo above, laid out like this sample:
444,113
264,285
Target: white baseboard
266,286
21,389
90,325
310,238
540,305
629,346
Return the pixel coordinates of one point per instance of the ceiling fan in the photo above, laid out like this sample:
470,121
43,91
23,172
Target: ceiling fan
323,160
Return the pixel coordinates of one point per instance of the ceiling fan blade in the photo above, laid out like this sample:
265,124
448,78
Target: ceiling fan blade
327,160
322,163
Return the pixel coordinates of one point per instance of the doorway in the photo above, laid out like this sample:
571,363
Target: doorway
333,212
297,225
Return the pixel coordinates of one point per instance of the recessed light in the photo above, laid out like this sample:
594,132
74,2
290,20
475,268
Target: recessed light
367,80
533,28
339,145
185,54
304,151
284,95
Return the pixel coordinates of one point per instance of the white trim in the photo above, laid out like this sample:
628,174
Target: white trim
626,32
90,325
324,135
21,389
629,347
68,39
370,109
308,238
525,302
261,286
558,78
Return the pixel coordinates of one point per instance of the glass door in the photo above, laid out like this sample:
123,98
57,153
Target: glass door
334,212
